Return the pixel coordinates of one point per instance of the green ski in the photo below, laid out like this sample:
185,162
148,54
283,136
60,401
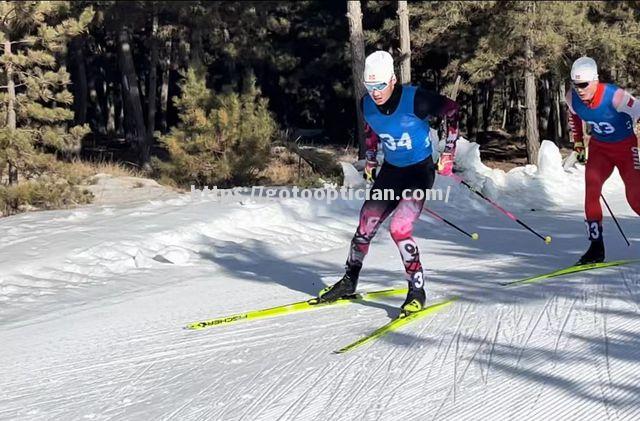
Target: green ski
397,323
569,270
292,308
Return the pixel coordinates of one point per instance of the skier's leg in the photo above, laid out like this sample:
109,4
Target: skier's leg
628,163
598,169
401,228
372,215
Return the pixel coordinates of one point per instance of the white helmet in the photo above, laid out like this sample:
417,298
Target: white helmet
378,67
584,69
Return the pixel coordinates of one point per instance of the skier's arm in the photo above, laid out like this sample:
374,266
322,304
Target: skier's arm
576,133
575,124
624,102
371,152
428,103
450,111
371,141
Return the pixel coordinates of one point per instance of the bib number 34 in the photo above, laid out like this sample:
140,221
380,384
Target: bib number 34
394,144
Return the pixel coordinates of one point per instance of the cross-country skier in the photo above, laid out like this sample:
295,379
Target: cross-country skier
611,113
396,114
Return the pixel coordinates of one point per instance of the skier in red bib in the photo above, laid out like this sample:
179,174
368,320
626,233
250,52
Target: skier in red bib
611,114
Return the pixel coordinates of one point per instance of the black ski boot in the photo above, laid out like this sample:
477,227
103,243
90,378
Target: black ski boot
595,254
343,288
416,295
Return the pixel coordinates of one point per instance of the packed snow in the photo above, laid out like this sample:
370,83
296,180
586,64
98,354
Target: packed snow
93,301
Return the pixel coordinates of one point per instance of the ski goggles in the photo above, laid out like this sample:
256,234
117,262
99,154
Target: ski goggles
376,86
580,85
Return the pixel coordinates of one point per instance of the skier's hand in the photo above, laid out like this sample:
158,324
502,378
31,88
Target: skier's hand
370,170
370,166
445,164
579,148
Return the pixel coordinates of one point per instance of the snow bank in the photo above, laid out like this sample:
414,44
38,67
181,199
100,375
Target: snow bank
149,227
547,185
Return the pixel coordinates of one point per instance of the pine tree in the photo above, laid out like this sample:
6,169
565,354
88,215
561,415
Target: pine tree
521,39
34,99
612,40
222,140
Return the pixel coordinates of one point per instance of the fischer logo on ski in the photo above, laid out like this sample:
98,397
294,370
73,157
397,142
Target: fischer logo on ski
292,308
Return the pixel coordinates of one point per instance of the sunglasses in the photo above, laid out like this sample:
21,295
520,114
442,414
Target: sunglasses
580,85
376,86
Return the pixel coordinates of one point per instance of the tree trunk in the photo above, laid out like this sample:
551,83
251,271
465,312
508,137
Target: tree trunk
80,89
505,103
472,119
557,122
118,109
131,94
544,104
114,105
531,119
513,119
11,105
553,97
456,88
405,43
196,54
487,108
153,71
555,130
164,91
563,118
11,88
95,94
354,15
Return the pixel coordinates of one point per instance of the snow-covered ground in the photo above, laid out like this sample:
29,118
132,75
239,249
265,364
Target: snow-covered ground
93,300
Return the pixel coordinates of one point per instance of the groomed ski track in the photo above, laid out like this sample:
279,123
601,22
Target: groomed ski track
92,313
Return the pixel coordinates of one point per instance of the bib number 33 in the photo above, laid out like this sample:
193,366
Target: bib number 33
601,127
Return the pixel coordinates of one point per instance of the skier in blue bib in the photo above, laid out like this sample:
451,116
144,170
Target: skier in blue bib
395,116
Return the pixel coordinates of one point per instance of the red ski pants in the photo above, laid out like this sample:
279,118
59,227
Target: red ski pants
603,157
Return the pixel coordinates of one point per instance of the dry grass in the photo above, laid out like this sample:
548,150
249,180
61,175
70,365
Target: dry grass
116,169
285,168
82,171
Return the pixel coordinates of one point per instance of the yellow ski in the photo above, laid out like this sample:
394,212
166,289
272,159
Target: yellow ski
569,270
292,308
396,324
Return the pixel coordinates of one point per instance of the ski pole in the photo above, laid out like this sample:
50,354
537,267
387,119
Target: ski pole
473,236
615,220
546,239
